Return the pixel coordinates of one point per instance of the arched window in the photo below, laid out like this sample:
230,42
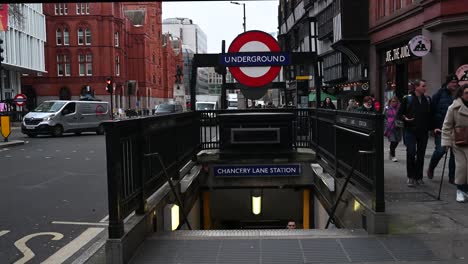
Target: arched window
64,94
88,36
116,39
117,66
66,36
85,64
80,36
58,37
63,64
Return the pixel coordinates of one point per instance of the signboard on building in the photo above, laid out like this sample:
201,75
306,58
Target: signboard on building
420,45
3,17
254,58
257,170
462,74
397,53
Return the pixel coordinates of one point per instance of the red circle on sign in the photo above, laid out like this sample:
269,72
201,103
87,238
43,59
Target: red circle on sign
20,99
243,39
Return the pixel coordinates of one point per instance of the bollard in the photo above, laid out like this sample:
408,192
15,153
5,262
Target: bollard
6,127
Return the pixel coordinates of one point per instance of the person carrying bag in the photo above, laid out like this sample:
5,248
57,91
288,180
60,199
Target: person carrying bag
455,136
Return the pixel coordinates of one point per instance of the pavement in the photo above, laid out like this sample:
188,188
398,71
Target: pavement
13,139
414,214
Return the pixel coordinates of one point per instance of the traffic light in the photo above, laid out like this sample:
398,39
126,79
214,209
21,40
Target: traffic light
109,85
1,51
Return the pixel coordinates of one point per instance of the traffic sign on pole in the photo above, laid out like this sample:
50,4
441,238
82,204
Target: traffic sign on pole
254,58
20,99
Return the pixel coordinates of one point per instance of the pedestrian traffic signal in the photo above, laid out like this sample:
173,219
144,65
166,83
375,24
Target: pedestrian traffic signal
109,85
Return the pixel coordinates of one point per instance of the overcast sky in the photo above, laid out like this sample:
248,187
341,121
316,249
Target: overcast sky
221,20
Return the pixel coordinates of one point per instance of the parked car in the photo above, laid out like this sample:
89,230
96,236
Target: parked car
167,108
57,117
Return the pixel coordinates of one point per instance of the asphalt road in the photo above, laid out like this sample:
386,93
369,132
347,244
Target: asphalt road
53,197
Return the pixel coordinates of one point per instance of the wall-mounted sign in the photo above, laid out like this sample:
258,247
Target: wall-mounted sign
257,170
420,45
462,74
259,56
397,53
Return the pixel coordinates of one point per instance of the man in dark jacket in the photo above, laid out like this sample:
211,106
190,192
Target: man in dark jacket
441,100
415,112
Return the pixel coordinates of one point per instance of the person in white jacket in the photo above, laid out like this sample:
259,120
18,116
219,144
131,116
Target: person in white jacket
457,116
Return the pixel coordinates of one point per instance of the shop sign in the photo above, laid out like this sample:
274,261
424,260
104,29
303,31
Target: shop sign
462,74
397,54
420,45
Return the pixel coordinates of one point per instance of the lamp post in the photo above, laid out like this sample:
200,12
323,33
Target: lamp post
243,4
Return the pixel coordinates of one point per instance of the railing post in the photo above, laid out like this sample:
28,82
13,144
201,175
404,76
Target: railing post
378,165
115,228
141,170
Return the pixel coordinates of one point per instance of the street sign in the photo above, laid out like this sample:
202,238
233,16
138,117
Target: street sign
20,99
5,126
261,56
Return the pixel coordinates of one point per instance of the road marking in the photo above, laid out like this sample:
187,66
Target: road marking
71,248
105,219
4,232
28,157
7,156
27,253
79,223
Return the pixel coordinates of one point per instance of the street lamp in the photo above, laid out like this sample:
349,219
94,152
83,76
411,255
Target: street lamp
237,3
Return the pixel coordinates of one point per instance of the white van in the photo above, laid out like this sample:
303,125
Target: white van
57,117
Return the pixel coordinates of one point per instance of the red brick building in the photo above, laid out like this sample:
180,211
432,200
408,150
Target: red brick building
89,42
393,23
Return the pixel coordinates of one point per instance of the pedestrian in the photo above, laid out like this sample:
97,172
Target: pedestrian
291,224
441,100
457,120
367,105
392,126
328,104
375,103
415,112
352,105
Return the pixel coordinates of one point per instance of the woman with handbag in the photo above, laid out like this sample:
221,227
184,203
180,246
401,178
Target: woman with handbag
393,126
455,136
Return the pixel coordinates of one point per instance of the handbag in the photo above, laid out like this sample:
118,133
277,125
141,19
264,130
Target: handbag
461,136
399,123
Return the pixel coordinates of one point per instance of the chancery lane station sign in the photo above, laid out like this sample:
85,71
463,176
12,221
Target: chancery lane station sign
279,170
254,58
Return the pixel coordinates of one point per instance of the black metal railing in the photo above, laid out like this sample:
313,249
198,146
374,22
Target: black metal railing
133,175
15,116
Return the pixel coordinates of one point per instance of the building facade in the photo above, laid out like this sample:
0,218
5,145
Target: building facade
194,41
393,24
337,31
23,45
90,42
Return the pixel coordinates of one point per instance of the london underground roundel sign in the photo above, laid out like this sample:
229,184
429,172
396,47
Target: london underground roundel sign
254,58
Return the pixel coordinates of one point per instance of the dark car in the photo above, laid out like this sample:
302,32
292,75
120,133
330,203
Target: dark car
167,108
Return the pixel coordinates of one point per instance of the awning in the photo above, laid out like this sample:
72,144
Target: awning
323,95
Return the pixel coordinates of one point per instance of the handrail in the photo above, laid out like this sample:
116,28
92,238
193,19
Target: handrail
348,178
354,131
168,179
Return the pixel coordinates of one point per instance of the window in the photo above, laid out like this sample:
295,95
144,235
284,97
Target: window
60,65
61,9
58,37
63,65
116,39
117,66
89,64
82,8
82,66
66,37
66,61
80,37
88,36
